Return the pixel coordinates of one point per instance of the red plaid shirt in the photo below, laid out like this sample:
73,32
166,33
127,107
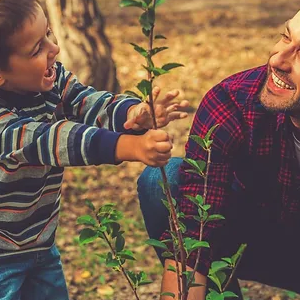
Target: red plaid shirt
253,155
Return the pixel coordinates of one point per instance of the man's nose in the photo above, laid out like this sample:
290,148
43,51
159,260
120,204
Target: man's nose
283,59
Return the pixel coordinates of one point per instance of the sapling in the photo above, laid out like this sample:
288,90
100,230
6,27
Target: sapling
145,87
182,247
104,224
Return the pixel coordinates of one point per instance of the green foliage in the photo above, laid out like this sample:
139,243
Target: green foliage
104,225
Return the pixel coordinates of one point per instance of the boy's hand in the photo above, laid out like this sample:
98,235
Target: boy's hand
166,110
152,148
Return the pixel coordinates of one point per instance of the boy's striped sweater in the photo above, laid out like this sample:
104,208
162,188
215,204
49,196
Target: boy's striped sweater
40,134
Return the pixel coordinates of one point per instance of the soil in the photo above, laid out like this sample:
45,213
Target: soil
213,39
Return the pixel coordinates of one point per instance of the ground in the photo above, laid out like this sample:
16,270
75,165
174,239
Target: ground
212,39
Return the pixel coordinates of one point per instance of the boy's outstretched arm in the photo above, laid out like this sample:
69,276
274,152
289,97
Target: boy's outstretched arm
166,110
152,148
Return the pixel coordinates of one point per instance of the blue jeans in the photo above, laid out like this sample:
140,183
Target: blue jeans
33,276
150,195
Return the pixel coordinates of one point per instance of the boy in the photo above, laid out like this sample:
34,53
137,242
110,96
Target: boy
49,120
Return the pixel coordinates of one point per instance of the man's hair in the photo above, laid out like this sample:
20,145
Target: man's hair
13,14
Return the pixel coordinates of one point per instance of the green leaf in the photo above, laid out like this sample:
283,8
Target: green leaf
170,66
120,242
147,2
133,94
145,282
127,3
200,244
102,229
112,263
198,165
238,254
198,140
140,49
197,218
159,71
157,50
156,243
167,254
213,295
215,218
166,204
214,278
206,207
90,205
132,277
196,284
145,87
210,131
159,2
168,294
160,37
87,235
227,259
171,268
115,229
127,254
229,294
182,227
86,220
146,32
147,19
217,266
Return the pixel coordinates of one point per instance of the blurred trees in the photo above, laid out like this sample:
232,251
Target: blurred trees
85,49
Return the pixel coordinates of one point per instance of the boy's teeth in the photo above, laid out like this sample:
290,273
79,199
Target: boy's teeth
279,83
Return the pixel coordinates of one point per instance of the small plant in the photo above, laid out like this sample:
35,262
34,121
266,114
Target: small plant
104,224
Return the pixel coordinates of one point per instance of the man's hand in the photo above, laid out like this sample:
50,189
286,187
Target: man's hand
152,148
169,284
166,110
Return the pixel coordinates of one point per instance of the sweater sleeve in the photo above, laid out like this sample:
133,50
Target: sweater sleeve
64,143
84,104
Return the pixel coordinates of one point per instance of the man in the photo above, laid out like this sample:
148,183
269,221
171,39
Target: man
254,177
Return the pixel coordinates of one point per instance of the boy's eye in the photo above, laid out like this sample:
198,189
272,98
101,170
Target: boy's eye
38,51
48,33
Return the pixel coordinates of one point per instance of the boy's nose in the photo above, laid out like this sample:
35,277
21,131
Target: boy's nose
54,49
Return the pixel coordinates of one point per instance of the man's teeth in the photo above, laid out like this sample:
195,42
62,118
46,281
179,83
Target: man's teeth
278,82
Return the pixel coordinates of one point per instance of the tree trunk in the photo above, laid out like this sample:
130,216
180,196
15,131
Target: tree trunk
85,50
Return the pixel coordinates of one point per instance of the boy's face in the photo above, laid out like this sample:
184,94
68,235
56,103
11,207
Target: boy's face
30,65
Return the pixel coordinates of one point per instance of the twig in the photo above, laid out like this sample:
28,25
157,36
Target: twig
202,223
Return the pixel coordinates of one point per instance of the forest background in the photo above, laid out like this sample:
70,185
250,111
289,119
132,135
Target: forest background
213,39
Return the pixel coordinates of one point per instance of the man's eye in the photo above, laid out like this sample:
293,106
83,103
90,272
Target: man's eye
49,32
284,36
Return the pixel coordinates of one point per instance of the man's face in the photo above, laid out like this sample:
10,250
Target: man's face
30,65
282,88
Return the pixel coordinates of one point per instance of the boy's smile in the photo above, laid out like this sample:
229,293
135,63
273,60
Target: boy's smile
33,54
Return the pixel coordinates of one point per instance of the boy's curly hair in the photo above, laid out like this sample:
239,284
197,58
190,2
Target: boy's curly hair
13,14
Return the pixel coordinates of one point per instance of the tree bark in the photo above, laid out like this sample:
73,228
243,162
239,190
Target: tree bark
85,49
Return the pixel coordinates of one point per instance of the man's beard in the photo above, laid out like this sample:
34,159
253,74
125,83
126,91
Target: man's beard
291,105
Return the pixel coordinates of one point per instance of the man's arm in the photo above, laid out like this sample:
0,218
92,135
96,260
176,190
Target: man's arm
169,283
